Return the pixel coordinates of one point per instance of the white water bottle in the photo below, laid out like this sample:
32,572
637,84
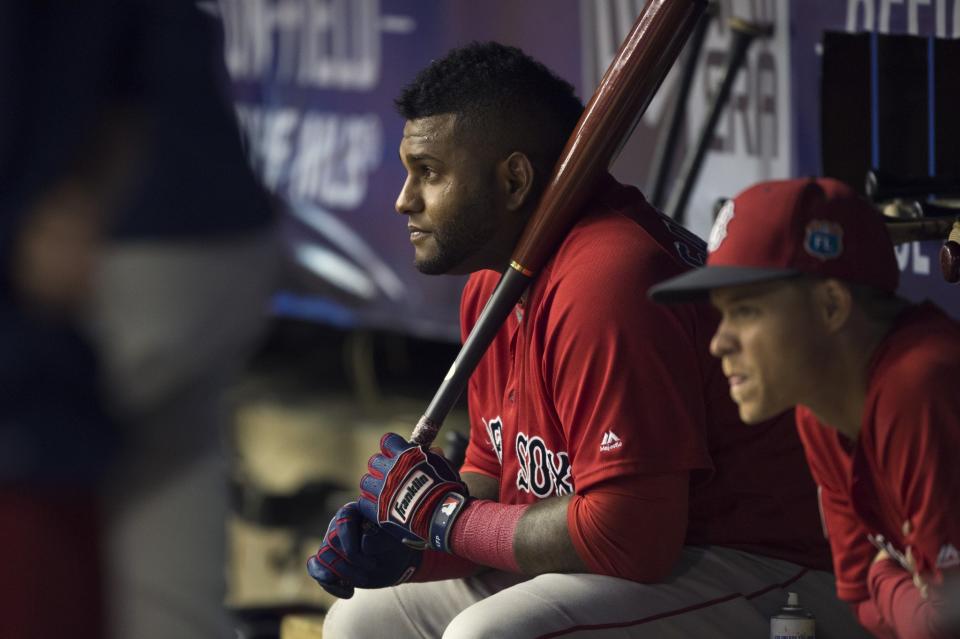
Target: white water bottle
793,622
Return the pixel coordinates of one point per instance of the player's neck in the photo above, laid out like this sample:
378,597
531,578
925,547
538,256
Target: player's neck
841,388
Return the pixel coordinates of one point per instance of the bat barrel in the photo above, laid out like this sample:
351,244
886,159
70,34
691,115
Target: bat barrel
623,94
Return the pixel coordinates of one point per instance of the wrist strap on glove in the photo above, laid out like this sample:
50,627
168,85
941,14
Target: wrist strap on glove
442,522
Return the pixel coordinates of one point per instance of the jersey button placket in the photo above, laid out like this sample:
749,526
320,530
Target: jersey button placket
510,393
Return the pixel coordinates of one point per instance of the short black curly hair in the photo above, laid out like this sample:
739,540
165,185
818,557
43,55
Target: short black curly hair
501,96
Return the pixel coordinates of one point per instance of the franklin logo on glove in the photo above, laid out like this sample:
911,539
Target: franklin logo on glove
413,491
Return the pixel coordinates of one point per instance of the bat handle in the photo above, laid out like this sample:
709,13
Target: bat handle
425,432
511,286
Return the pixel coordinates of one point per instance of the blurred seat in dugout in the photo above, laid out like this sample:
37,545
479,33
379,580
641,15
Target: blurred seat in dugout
180,301
304,428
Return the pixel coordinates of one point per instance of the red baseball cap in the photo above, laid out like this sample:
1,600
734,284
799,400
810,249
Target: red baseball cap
786,228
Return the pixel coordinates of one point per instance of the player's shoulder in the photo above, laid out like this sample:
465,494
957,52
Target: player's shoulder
920,355
809,427
622,236
913,405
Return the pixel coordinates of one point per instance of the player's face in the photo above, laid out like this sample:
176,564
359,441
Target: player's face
769,343
450,199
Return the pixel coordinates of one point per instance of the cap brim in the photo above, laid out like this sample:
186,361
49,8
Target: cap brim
694,286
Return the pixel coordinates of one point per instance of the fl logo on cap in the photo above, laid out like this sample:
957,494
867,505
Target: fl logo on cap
824,240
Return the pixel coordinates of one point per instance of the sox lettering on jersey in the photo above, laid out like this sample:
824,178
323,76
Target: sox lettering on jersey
495,433
542,471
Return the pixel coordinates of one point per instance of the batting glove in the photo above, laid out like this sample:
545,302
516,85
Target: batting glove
354,555
412,494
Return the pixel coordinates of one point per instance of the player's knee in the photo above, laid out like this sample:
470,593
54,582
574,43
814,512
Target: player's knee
360,616
470,625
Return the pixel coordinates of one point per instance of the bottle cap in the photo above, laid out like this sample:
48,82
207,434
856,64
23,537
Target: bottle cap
793,600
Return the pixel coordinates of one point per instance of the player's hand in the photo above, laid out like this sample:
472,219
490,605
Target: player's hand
354,555
412,494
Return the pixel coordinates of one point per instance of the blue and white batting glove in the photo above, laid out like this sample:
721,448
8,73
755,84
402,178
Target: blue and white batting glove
354,555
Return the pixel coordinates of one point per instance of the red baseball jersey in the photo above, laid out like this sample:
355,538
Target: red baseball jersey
589,382
897,485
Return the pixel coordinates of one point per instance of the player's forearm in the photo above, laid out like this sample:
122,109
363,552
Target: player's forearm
481,486
542,540
522,538
869,617
899,602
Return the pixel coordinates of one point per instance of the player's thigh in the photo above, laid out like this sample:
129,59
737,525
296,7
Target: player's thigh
581,605
414,610
711,593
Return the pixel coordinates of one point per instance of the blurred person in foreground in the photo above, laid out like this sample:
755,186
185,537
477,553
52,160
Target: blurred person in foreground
181,296
805,276
58,179
158,235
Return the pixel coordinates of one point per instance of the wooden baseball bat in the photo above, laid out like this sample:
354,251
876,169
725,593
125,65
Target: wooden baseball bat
607,121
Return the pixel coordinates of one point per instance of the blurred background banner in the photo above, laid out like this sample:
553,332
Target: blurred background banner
314,83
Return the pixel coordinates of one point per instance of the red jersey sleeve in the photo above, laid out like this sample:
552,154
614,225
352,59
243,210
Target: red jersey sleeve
609,522
869,617
915,440
917,437
851,549
900,604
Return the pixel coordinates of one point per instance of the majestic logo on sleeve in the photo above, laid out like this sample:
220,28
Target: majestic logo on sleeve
495,433
610,442
542,471
948,557
409,494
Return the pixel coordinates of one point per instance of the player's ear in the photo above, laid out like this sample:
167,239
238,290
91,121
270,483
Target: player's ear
834,303
516,174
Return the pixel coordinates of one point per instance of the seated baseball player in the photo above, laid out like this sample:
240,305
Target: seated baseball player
805,276
608,482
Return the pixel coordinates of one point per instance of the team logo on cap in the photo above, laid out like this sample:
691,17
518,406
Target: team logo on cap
719,230
824,240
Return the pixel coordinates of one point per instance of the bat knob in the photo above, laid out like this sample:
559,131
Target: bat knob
950,261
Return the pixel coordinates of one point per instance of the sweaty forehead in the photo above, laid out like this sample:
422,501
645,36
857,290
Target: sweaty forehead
431,130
